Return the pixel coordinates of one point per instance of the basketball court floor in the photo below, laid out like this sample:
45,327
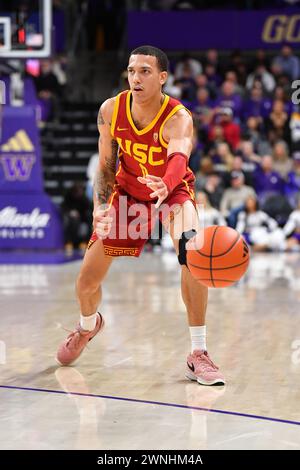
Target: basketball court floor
128,390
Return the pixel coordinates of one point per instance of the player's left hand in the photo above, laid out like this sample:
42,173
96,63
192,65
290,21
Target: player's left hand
156,183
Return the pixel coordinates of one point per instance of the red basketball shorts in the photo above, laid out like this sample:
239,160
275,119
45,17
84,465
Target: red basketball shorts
134,220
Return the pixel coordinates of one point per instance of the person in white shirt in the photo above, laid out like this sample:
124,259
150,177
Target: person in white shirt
210,215
258,228
292,230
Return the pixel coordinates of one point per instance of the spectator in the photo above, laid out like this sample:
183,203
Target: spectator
234,198
240,166
210,80
267,181
292,229
292,187
46,83
231,130
261,75
206,168
248,155
186,83
77,216
256,105
280,93
277,124
229,99
282,163
231,77
258,228
254,134
224,157
287,63
210,215
202,113
187,63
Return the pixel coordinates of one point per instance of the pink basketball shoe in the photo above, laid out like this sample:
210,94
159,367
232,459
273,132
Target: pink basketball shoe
202,369
74,344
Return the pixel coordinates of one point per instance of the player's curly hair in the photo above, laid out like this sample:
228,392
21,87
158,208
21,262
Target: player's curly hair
161,57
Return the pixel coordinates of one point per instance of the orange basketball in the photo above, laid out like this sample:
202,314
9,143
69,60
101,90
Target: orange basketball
221,256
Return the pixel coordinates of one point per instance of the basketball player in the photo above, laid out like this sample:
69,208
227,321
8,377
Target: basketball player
151,134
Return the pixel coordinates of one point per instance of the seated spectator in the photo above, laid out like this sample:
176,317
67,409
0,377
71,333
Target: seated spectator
262,75
256,105
281,161
187,84
277,124
186,61
205,169
231,130
292,186
234,198
253,132
202,108
246,150
280,93
258,228
240,166
214,80
210,215
229,99
223,157
287,63
292,229
213,187
203,82
267,181
77,217
231,77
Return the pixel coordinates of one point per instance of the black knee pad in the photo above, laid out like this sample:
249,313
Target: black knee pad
185,237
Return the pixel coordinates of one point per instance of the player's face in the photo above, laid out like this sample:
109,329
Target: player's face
144,77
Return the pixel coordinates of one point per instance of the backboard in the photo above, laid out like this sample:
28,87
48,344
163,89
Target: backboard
25,28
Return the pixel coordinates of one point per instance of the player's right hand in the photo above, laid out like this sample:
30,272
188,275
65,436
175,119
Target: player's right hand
102,222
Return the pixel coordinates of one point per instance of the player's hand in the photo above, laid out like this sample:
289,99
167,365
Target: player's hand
158,186
102,222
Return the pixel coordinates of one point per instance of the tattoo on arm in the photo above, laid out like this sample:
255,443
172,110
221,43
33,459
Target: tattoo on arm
105,178
100,120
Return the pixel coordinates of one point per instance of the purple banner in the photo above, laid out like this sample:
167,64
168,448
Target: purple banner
20,153
29,221
194,30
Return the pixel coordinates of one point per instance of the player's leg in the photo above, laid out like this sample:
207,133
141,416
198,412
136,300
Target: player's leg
195,296
93,270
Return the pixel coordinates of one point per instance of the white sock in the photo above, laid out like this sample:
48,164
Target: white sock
88,323
198,337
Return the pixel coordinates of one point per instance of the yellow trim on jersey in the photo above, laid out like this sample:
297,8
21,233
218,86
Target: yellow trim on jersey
115,114
174,110
119,169
152,123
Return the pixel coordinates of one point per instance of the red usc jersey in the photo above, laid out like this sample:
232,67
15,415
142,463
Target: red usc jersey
144,151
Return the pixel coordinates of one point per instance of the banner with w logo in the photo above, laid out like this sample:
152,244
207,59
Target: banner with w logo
28,218
20,153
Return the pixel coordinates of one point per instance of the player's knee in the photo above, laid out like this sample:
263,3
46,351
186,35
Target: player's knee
86,284
185,237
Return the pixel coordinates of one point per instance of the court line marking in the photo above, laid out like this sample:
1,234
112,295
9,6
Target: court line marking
149,402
